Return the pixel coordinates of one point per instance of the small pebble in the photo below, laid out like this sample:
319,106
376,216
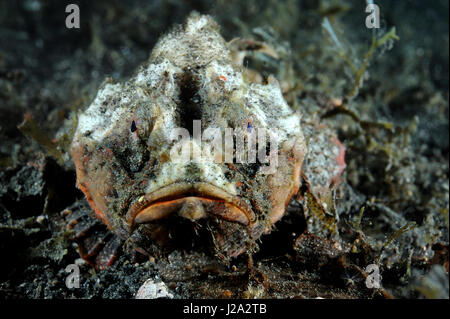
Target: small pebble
153,290
80,261
40,219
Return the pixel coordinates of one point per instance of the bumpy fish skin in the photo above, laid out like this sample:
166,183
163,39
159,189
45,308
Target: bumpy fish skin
122,145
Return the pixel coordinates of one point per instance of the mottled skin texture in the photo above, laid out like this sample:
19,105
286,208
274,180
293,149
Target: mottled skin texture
122,145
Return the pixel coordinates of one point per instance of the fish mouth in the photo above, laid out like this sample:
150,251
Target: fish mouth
192,201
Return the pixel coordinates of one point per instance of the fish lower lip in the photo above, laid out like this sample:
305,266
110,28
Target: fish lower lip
192,201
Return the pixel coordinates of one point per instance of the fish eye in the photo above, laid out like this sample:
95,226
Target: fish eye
133,127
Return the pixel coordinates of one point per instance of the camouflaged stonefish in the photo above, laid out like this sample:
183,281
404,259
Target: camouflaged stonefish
122,149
